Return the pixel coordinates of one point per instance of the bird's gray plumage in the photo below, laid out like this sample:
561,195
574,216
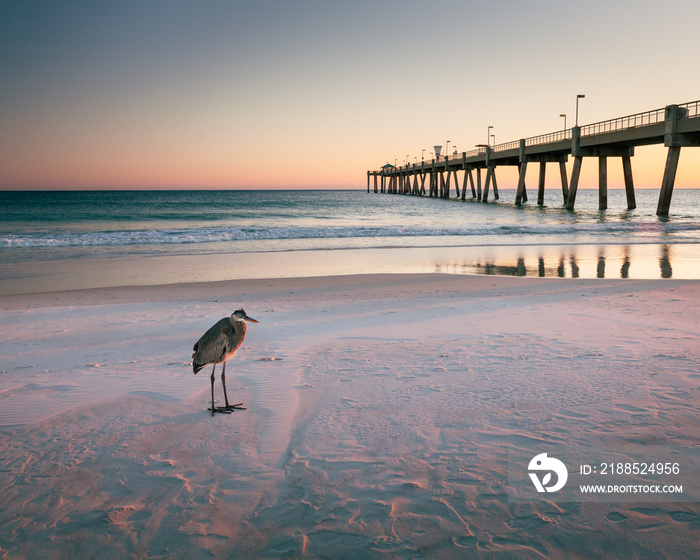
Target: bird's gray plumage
217,345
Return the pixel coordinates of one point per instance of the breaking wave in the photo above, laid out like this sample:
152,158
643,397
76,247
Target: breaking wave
642,232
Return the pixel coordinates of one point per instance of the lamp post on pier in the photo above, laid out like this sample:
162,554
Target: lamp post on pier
488,136
563,115
579,96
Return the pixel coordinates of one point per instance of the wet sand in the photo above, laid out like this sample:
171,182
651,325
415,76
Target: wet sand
638,261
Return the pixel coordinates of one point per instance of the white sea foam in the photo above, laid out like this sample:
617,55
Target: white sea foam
642,231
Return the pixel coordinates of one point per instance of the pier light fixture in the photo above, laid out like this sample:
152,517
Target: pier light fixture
447,147
488,136
579,96
563,115
422,156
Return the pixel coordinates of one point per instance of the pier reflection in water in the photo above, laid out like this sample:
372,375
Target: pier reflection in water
606,261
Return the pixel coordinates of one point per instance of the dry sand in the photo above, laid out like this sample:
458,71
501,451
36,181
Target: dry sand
381,411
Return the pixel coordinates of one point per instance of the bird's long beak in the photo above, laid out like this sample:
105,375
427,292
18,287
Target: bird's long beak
250,319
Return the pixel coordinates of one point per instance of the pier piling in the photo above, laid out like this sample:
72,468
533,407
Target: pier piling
602,183
540,187
629,184
521,193
674,153
564,181
573,186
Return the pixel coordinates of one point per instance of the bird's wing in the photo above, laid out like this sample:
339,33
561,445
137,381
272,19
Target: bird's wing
213,344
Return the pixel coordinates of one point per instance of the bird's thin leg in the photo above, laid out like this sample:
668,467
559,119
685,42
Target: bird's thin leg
212,389
223,382
225,409
238,406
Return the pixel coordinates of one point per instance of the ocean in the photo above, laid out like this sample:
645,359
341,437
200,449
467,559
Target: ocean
218,235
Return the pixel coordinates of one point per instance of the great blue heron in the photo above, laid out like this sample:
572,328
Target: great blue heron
217,345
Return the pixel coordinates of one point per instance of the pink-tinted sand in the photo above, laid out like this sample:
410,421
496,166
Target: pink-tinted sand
380,413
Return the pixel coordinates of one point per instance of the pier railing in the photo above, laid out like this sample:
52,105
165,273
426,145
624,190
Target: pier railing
507,146
473,153
691,111
623,123
550,138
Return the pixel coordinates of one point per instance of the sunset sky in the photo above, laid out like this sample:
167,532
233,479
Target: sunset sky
313,93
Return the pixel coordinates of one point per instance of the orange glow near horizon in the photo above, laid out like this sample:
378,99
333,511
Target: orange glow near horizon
130,169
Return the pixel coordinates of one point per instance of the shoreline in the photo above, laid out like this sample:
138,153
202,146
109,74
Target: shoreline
633,261
326,285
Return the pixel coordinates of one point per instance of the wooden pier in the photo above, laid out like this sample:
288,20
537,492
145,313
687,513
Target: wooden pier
674,126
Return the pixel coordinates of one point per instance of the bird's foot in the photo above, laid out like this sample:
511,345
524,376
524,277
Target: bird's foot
221,409
231,407
227,409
